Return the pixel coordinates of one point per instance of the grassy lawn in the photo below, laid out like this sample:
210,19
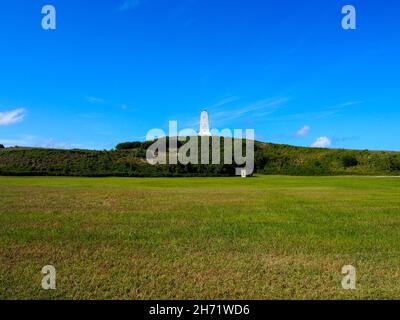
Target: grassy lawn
266,237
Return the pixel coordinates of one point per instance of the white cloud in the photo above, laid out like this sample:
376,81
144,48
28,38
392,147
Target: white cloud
101,101
12,142
322,142
27,140
95,100
53,144
11,117
303,131
254,110
318,114
222,112
21,140
222,102
128,4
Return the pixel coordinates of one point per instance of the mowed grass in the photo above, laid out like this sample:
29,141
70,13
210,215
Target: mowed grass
266,237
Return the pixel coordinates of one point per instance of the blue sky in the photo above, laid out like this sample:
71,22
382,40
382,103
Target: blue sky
114,69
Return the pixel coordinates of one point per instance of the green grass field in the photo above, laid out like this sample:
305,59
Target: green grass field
266,237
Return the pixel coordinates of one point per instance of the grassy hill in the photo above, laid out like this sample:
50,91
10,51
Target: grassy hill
129,160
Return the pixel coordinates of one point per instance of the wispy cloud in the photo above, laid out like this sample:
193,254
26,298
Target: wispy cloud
20,140
27,140
54,144
194,120
257,110
11,117
322,142
344,139
316,115
222,103
336,109
128,4
303,131
101,101
13,142
95,100
230,109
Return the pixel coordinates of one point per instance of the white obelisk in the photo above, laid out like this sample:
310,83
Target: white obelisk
204,125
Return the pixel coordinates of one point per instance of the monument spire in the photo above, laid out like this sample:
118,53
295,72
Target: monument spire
204,125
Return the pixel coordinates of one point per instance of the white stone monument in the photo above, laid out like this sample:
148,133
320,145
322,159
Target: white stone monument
204,125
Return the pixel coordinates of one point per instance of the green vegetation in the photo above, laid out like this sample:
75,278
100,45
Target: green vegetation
128,145
290,160
349,161
265,237
129,159
52,162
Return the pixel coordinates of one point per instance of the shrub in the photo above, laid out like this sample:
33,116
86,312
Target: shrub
128,145
269,159
394,163
349,161
2,146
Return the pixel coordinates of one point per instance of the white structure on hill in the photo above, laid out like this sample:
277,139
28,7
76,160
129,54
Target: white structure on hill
204,125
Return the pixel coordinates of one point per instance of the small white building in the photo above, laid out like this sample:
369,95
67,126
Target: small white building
204,125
